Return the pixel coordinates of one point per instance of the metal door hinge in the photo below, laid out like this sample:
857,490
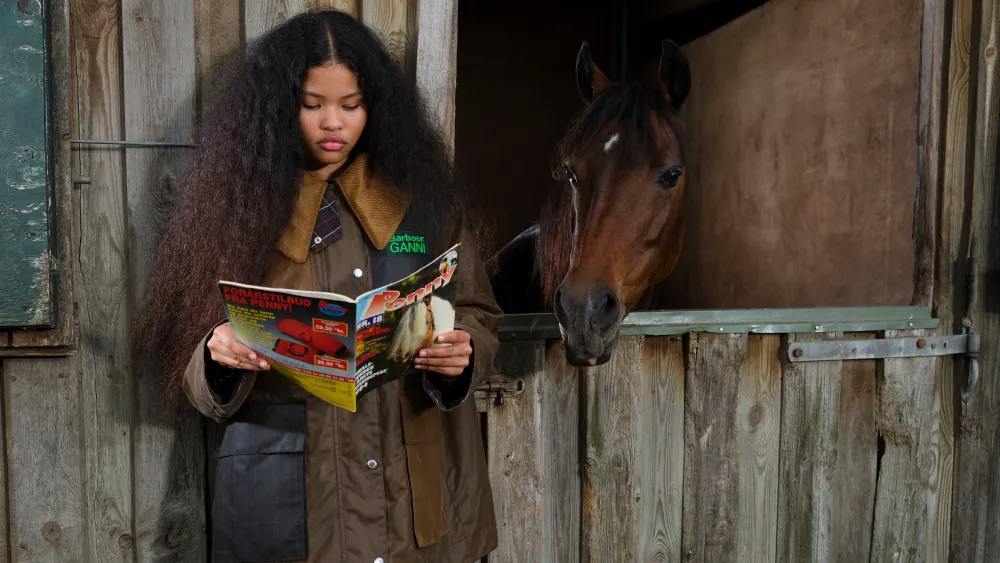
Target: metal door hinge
498,390
875,349
912,347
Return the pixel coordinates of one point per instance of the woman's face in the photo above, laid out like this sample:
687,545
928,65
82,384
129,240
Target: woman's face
332,117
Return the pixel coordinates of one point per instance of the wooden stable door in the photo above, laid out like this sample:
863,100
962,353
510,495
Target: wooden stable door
721,446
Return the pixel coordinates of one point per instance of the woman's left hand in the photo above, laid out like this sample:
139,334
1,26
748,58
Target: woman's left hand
449,356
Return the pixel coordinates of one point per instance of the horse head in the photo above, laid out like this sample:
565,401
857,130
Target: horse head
617,228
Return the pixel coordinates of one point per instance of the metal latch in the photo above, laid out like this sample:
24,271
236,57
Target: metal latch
500,389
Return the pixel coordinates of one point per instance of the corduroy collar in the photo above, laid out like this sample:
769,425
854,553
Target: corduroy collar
378,207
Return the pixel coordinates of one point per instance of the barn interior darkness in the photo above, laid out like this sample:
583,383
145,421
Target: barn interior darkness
516,82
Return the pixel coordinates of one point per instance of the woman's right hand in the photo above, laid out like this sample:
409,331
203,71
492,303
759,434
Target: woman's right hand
227,351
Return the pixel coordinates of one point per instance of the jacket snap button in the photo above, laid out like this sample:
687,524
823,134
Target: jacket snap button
372,464
358,273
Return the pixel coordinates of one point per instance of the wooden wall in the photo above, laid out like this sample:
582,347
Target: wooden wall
801,150
97,468
714,448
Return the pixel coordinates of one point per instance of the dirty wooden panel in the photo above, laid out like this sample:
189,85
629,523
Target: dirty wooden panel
828,458
5,553
758,424
711,478
951,250
904,419
437,56
218,34
24,167
661,447
102,266
611,493
811,106
159,87
45,479
975,534
559,443
261,16
514,454
395,23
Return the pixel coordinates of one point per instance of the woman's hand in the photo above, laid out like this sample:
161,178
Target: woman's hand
449,356
229,352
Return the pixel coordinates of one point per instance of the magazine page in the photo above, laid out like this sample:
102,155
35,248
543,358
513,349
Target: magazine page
307,336
397,320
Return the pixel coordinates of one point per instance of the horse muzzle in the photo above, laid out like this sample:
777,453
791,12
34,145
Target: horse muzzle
588,320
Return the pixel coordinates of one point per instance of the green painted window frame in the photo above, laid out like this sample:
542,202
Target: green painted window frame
26,155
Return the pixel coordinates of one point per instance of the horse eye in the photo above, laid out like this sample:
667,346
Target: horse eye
571,174
669,177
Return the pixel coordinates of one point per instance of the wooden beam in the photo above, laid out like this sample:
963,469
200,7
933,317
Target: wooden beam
261,16
218,34
711,476
159,72
660,441
104,292
515,458
758,427
45,478
437,55
975,536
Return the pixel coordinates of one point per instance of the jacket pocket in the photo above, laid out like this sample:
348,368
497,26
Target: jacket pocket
259,506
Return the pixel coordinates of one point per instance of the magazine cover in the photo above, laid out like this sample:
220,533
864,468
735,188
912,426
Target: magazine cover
337,347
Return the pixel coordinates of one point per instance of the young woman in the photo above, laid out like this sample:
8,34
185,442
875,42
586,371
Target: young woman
316,155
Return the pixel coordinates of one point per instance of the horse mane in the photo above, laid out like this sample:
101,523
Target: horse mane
626,106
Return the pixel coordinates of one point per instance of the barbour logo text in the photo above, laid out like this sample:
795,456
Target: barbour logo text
407,244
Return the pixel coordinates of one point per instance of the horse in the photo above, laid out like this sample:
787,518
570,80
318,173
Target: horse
422,322
616,228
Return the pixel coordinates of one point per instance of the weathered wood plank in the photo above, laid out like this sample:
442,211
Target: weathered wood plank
828,459
437,56
945,539
514,454
611,494
218,34
711,500
5,546
395,23
857,459
260,16
45,479
559,442
159,84
975,533
904,418
931,120
661,448
346,6
102,266
758,425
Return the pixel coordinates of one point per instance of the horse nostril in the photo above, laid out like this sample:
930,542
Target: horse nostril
604,307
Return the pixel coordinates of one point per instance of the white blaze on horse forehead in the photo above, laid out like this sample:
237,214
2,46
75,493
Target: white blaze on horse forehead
611,142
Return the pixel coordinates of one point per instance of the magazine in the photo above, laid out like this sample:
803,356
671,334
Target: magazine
336,347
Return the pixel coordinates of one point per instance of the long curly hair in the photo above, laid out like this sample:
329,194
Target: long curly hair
240,187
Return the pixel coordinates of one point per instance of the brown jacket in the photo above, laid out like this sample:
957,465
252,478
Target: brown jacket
402,479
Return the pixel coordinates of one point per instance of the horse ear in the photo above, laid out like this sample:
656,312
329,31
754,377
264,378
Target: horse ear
674,73
590,81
